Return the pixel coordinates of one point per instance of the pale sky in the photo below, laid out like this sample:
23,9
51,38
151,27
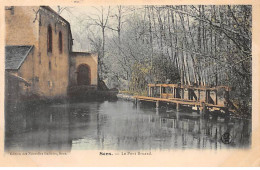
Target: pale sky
78,18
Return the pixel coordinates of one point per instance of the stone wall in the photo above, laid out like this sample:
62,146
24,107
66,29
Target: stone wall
53,67
48,72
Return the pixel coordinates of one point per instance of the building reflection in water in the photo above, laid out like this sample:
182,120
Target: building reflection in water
38,128
119,125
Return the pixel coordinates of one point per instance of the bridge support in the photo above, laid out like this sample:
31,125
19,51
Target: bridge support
157,104
135,101
203,109
177,107
182,93
198,94
198,108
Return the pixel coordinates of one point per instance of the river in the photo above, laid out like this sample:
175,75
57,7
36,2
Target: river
119,125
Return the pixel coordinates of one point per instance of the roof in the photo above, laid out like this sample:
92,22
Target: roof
15,56
54,12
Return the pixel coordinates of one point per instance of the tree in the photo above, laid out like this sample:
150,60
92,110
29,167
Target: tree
197,45
100,20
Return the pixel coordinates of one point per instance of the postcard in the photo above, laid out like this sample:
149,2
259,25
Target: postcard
122,83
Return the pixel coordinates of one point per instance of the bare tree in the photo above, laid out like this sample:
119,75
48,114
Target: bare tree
100,20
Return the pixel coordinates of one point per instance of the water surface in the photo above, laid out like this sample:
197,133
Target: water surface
119,125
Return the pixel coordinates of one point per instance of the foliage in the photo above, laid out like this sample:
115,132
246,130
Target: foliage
139,76
203,45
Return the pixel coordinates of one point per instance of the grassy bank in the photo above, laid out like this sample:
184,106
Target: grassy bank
133,93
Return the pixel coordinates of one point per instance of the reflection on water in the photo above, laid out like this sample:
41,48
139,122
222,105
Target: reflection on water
119,125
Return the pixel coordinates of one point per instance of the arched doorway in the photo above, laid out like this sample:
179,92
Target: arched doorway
83,77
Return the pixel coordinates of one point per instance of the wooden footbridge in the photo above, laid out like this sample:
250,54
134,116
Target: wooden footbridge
200,98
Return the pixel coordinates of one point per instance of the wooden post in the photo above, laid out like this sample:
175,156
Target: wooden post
203,108
216,97
226,97
226,101
149,91
177,106
206,96
199,95
160,91
189,94
135,101
157,104
198,109
174,92
182,93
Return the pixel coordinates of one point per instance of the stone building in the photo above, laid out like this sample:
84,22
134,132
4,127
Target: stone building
39,57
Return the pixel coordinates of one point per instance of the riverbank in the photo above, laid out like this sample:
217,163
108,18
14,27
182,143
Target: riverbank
127,97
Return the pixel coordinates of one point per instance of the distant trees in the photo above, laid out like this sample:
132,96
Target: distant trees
202,45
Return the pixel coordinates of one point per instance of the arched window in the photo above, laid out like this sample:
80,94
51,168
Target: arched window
60,42
49,39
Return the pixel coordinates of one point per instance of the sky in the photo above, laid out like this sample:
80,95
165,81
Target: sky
78,17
